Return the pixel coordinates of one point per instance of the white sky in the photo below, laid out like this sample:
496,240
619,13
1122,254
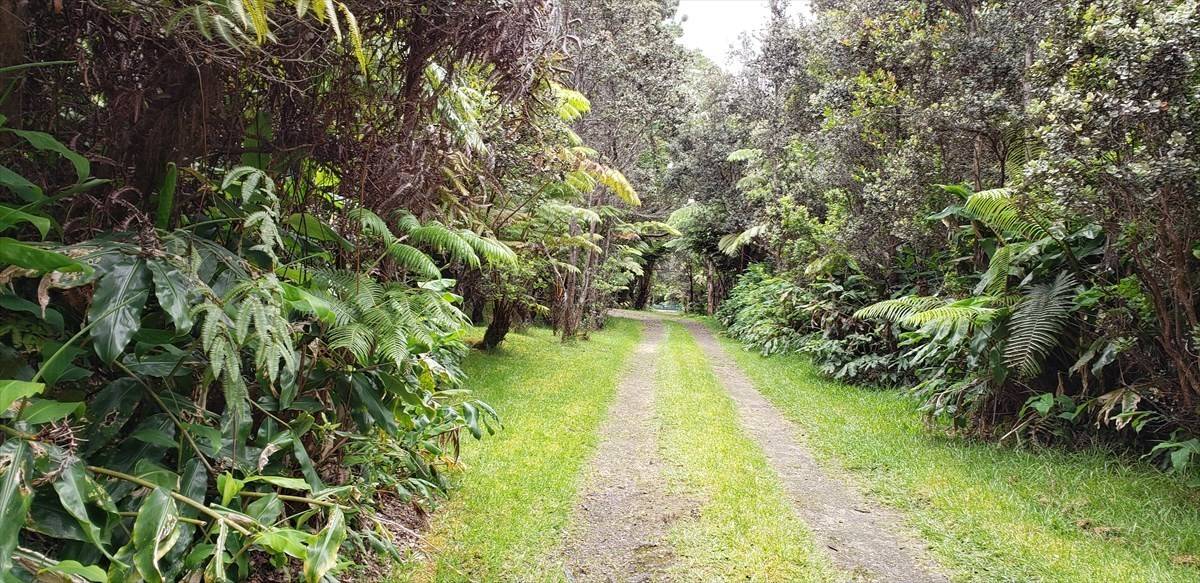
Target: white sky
714,26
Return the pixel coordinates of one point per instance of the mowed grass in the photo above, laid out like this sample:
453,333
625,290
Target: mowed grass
518,487
746,529
994,513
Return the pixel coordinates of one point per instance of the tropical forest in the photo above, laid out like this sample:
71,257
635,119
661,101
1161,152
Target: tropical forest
599,291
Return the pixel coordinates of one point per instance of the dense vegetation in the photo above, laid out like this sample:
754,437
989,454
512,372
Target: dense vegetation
242,243
990,203
237,241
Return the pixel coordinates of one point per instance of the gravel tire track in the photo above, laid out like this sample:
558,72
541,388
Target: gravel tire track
863,538
623,512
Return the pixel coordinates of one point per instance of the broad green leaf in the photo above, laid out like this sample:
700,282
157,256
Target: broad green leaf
110,409
216,567
10,216
300,299
19,304
266,509
61,368
89,572
156,474
193,484
282,482
321,555
367,400
154,533
14,498
291,542
155,436
47,143
229,487
311,226
10,391
306,466
117,305
173,291
208,438
161,365
13,252
47,517
47,410
28,191
75,488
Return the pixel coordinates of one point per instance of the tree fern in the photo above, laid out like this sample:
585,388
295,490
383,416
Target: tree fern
731,243
965,311
1037,322
999,210
444,240
613,179
489,249
995,279
571,104
899,309
414,260
372,225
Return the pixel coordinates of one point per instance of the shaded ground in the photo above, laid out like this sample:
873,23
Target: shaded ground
623,513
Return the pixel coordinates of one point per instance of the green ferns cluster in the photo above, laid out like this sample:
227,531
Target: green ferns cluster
216,399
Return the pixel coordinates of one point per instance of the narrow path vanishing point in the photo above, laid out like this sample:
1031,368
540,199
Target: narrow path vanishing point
862,538
623,512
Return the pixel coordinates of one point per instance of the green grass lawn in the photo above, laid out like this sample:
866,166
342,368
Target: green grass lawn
994,513
746,529
518,487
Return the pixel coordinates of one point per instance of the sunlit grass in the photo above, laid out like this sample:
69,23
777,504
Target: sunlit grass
994,513
518,487
746,529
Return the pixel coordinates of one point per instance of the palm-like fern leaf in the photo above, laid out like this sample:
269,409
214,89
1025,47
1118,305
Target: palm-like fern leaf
899,309
413,260
613,179
731,243
572,105
1037,323
444,240
490,249
995,279
372,225
962,312
998,209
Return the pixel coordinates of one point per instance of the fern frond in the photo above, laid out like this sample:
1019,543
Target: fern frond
731,243
1037,322
490,249
613,179
961,312
998,209
355,338
571,105
414,260
373,225
405,222
356,40
744,154
444,240
995,279
899,309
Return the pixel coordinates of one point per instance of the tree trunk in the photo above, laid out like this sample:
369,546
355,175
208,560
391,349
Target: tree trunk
710,306
644,283
502,316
